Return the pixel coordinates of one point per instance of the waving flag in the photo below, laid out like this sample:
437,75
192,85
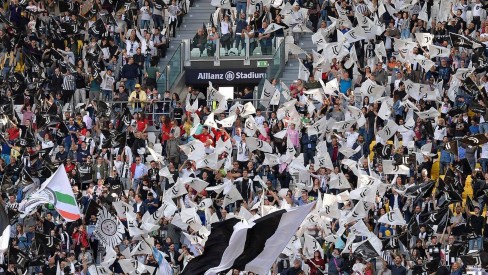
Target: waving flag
252,247
57,191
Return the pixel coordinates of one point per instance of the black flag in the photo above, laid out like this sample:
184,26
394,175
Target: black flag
469,204
125,119
92,209
455,111
18,256
98,28
422,190
458,40
478,259
62,130
474,140
47,241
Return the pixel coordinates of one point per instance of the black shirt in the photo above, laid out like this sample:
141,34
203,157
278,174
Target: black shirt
47,226
476,223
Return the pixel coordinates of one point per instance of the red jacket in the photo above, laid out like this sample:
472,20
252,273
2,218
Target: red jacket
80,237
165,130
203,137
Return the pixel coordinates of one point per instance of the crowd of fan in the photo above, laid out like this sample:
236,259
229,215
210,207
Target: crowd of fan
129,63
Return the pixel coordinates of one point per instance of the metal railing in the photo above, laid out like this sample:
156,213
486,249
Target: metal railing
149,109
173,69
251,51
256,102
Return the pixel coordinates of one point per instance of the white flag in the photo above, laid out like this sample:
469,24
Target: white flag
176,190
436,51
232,195
303,72
272,28
426,64
247,110
319,40
423,13
424,39
431,113
271,159
224,4
371,89
380,50
257,144
132,266
250,126
339,181
210,121
310,246
268,91
228,121
389,168
394,217
389,130
198,184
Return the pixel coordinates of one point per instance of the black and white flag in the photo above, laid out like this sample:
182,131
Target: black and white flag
48,242
109,229
4,229
474,140
252,247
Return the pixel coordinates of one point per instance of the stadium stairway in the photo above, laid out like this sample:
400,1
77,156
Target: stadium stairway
290,73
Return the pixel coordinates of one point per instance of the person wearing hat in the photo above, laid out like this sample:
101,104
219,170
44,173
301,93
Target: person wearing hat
138,98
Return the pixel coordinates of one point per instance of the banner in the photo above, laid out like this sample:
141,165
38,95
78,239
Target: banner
221,77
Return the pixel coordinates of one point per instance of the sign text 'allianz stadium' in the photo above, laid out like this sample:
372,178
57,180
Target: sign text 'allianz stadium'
229,76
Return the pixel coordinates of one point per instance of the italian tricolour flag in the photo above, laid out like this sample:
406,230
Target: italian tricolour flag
62,196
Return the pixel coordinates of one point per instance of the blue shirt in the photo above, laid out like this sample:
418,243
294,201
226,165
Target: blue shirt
398,108
345,85
6,149
150,207
461,152
474,129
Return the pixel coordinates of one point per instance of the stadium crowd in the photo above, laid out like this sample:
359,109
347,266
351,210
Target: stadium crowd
86,80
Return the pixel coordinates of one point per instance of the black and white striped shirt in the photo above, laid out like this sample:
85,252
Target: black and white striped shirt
12,205
69,83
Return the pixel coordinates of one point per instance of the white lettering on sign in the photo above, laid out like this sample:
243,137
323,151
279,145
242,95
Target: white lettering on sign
229,76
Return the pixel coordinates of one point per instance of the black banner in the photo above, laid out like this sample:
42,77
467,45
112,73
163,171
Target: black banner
234,76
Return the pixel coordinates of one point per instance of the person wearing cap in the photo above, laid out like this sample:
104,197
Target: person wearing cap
138,98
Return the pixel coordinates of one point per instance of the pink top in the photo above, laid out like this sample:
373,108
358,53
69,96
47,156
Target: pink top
293,136
27,115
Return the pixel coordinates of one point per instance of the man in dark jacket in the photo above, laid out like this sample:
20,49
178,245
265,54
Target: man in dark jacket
130,71
309,144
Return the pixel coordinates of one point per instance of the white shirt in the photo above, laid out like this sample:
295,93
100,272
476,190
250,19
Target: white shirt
242,151
145,13
225,27
131,47
88,121
439,134
259,120
351,138
407,136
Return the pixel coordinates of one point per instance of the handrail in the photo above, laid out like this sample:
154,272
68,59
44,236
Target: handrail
256,102
274,70
172,70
